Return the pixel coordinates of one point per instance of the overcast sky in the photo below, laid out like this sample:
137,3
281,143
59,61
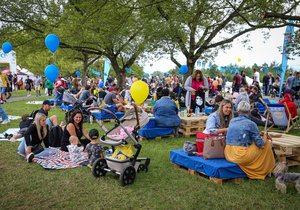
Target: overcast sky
263,51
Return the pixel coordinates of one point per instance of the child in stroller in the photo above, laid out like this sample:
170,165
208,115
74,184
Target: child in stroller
120,137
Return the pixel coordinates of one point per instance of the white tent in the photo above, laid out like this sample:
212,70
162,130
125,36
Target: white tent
9,58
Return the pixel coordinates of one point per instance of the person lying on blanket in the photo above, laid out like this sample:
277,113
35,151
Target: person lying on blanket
74,131
36,133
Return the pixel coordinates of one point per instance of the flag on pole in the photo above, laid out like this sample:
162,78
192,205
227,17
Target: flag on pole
288,37
107,65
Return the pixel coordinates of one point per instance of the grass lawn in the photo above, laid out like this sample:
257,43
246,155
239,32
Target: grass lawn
29,186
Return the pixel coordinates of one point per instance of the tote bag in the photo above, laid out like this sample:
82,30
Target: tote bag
214,147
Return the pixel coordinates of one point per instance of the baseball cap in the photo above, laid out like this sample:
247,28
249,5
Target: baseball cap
94,134
46,102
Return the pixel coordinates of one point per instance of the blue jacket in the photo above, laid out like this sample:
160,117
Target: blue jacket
243,132
213,123
166,113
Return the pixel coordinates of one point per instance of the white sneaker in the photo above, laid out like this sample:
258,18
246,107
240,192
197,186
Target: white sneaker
5,121
29,157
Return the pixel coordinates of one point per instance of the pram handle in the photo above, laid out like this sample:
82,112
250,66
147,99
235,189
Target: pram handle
137,116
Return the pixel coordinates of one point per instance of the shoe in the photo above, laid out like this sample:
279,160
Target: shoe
5,122
29,157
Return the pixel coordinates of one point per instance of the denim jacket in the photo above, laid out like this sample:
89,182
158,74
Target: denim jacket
213,123
243,132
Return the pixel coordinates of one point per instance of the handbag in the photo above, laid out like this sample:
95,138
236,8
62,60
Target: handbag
189,146
214,147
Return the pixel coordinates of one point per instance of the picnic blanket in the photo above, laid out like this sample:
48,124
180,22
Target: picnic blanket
12,131
55,159
34,102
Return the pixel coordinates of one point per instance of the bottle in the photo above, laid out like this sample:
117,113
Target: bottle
91,119
185,113
197,111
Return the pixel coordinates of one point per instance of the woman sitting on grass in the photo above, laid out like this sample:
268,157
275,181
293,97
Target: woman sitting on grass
218,121
245,147
36,133
74,131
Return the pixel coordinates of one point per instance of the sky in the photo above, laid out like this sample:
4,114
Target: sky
263,51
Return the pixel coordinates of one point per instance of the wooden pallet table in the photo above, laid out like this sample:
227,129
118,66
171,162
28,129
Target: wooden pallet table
190,125
287,149
214,180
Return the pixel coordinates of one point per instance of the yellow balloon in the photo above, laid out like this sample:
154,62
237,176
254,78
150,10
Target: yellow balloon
139,91
239,59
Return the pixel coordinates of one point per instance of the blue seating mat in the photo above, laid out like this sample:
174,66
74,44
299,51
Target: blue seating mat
150,131
219,168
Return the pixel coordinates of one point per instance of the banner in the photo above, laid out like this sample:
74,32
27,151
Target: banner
107,65
95,72
288,38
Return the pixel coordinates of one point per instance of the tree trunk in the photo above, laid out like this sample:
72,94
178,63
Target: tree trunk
191,66
85,67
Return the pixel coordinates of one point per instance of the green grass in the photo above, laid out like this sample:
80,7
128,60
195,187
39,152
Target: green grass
29,186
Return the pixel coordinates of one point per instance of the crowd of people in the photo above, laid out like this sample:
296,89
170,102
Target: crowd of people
235,115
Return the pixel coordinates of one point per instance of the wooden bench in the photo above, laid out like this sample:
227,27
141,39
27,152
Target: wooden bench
287,148
214,180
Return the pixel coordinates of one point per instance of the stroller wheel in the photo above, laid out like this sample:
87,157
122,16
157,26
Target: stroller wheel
127,176
143,167
99,167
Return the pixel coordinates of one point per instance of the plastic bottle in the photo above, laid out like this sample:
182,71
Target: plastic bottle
197,111
91,119
185,113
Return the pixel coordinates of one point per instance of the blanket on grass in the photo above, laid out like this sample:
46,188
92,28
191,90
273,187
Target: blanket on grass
34,102
55,159
9,131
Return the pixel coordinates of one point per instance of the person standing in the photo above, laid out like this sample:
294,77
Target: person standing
256,76
4,116
49,86
196,85
37,85
3,85
266,79
28,85
15,82
236,83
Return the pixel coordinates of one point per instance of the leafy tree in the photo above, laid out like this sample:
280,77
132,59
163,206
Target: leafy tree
198,29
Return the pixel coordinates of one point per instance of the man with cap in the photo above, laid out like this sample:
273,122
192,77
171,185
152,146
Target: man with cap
46,106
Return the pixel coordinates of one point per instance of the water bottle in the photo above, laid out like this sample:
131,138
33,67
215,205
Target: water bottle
197,111
185,113
91,119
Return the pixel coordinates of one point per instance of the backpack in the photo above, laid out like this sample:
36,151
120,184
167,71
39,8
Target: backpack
55,136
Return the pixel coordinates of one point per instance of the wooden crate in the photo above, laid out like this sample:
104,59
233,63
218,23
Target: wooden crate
191,125
287,149
214,180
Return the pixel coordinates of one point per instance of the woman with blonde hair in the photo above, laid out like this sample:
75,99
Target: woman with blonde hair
218,121
196,85
36,133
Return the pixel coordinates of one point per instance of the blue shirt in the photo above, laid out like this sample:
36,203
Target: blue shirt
166,113
213,123
243,132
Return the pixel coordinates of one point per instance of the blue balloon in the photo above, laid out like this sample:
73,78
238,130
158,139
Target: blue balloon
51,72
52,42
101,85
77,73
128,70
6,47
183,69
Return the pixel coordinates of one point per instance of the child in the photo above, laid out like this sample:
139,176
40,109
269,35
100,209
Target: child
94,149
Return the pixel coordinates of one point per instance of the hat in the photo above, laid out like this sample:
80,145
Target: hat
218,98
46,102
94,134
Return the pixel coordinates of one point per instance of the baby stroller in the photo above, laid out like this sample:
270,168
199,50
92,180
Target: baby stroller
134,118
70,103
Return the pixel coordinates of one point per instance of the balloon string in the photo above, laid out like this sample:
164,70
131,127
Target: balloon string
54,59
